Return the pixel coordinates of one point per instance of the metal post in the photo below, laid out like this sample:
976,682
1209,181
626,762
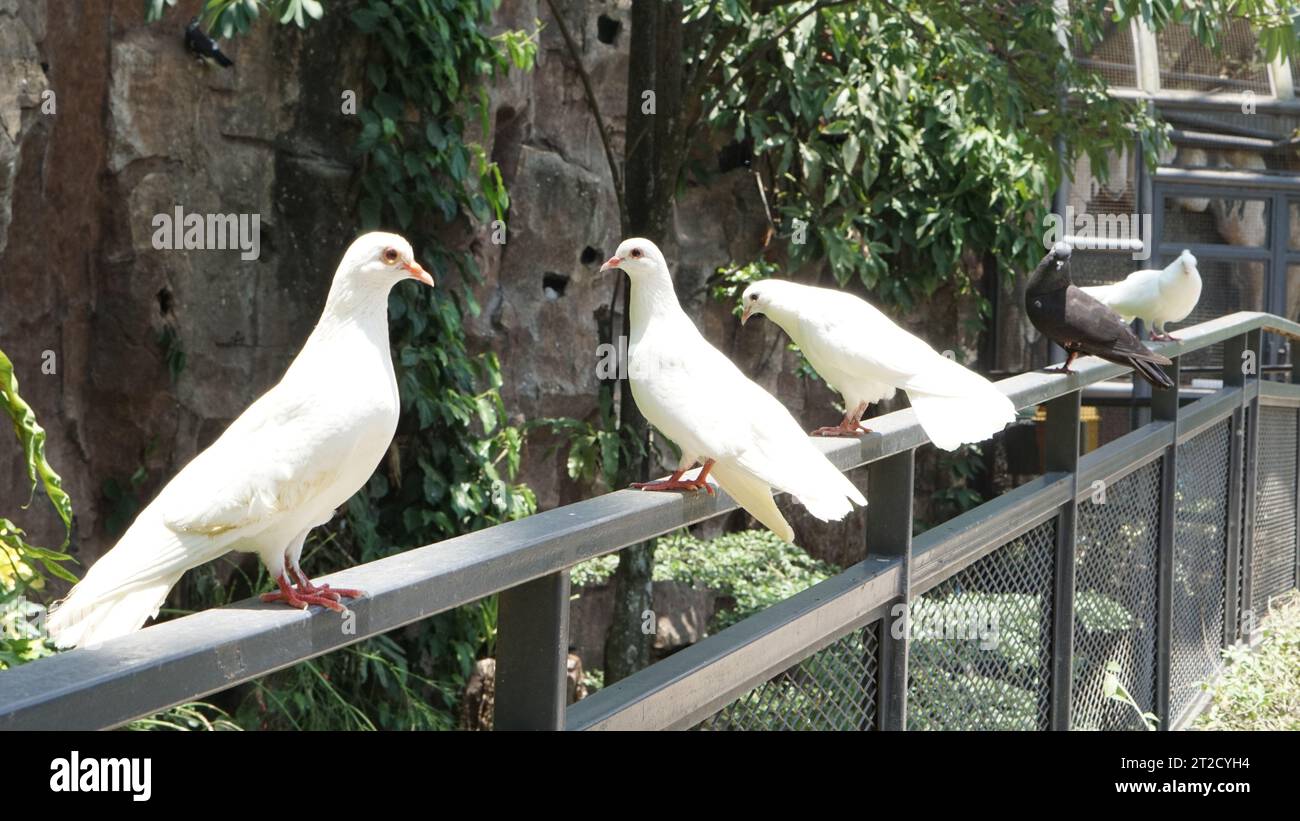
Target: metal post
1295,579
889,534
1255,343
532,651
1164,407
1233,378
1062,446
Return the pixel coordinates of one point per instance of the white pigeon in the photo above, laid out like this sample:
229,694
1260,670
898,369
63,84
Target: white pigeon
280,469
1153,295
701,401
865,357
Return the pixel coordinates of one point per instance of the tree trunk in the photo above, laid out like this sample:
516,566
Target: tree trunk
652,162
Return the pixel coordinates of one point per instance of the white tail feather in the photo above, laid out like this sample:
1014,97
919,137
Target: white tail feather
953,421
754,496
126,587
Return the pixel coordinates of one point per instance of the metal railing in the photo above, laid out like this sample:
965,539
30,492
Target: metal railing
1194,530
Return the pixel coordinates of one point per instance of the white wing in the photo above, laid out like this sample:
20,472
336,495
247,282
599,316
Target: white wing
698,398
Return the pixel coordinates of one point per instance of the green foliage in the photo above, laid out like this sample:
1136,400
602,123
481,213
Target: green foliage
903,135
189,717
1260,689
31,438
962,466
754,567
23,565
1112,689
226,18
599,450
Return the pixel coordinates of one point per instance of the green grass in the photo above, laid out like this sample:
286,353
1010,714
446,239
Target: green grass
1260,690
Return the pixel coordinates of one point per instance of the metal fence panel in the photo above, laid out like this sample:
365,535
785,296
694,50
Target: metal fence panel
981,642
833,689
1200,547
1115,601
1243,606
1274,559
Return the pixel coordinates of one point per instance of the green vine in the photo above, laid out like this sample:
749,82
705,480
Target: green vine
23,565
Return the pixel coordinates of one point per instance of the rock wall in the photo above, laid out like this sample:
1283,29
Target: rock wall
140,127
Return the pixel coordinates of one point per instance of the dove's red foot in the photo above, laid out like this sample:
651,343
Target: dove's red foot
301,598
676,482
842,429
1159,337
305,585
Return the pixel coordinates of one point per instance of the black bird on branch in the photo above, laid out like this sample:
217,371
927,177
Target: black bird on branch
1080,323
204,47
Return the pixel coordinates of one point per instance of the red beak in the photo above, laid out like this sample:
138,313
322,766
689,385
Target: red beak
416,272
612,262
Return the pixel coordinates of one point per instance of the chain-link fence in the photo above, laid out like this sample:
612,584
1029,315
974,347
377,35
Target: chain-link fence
1273,566
1200,548
1115,607
833,689
980,648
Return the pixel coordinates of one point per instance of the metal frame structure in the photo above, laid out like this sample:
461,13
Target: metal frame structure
528,562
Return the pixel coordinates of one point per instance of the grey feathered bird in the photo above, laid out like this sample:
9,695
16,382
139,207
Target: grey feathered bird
204,47
1080,323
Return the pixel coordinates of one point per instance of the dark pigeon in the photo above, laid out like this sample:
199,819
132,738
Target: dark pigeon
203,46
1082,324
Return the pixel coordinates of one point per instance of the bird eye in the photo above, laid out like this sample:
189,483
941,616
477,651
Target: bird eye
753,297
636,252
390,255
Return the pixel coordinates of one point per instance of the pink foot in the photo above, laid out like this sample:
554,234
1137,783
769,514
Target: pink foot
842,429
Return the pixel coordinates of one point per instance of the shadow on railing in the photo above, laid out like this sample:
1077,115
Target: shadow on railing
1005,617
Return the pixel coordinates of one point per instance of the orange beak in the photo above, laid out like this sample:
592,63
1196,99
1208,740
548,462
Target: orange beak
416,272
612,262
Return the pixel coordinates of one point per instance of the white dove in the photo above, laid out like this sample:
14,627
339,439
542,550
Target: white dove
701,401
280,469
1155,296
865,356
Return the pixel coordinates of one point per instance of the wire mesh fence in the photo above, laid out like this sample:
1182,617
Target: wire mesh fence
1200,548
1112,55
833,689
980,653
1273,561
1115,601
1185,63
1247,421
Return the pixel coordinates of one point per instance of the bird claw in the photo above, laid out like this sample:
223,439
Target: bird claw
301,600
679,484
306,594
842,429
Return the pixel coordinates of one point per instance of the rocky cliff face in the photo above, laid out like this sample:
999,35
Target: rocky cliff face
140,128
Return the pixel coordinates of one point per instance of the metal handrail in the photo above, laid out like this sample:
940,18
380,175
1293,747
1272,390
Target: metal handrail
191,657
